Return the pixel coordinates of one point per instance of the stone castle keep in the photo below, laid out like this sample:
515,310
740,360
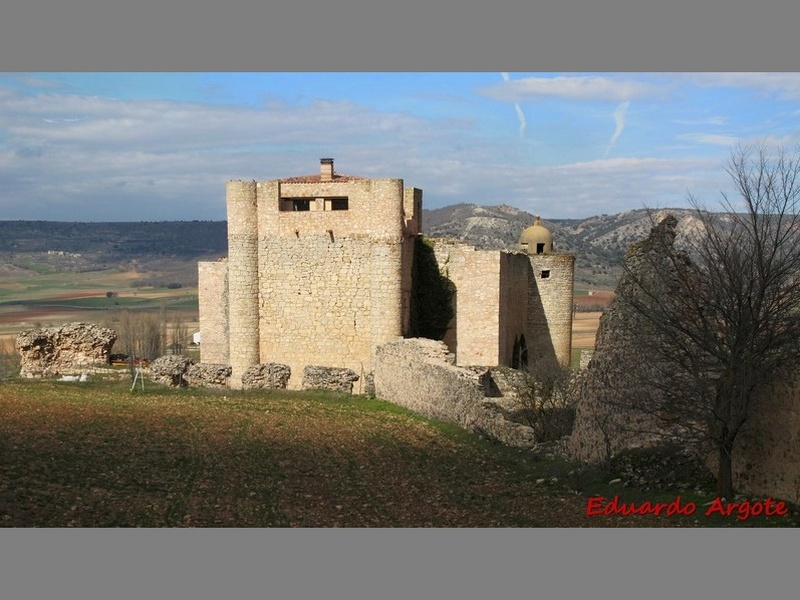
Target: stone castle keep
319,272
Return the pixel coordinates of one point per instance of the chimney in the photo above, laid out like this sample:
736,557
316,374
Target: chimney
326,169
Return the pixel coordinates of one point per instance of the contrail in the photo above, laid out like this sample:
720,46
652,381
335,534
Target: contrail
619,121
520,115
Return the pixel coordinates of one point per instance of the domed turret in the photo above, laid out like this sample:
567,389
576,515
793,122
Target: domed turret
536,239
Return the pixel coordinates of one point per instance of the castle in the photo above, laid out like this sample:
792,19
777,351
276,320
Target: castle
319,272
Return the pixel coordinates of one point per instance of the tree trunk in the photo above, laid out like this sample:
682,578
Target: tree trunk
725,473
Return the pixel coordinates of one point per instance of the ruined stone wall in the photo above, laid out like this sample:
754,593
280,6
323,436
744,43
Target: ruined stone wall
420,375
622,372
550,309
68,349
243,262
212,285
765,458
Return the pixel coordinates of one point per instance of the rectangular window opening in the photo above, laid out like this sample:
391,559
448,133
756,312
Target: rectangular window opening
339,203
545,273
295,204
301,204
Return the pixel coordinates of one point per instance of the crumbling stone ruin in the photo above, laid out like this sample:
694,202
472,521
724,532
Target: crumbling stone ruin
176,370
171,370
270,376
336,379
621,370
69,349
207,375
420,375
765,460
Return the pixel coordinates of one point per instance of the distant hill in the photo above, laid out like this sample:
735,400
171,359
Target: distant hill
599,243
172,248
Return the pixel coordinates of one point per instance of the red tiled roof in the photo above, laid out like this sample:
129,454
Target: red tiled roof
318,178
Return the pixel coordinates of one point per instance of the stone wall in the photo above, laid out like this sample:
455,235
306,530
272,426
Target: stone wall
68,349
420,375
209,375
620,372
475,274
317,377
502,298
765,457
171,370
513,306
271,376
320,300
213,311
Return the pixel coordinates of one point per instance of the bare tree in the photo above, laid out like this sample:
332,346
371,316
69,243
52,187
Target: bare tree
9,360
178,336
545,401
141,334
723,314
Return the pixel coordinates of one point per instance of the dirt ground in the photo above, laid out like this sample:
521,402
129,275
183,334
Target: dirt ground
584,329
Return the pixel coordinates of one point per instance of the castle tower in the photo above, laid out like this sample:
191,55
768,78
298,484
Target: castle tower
243,330
550,303
318,272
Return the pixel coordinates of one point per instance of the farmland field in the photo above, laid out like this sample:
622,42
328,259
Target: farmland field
35,300
43,299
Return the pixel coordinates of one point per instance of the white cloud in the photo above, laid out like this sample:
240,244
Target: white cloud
708,138
92,158
784,85
618,184
619,125
571,88
520,115
717,120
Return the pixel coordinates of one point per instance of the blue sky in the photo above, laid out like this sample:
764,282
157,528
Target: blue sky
160,146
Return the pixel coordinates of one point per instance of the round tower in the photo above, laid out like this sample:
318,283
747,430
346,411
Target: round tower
242,278
550,300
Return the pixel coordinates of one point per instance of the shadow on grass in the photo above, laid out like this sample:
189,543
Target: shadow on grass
98,455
